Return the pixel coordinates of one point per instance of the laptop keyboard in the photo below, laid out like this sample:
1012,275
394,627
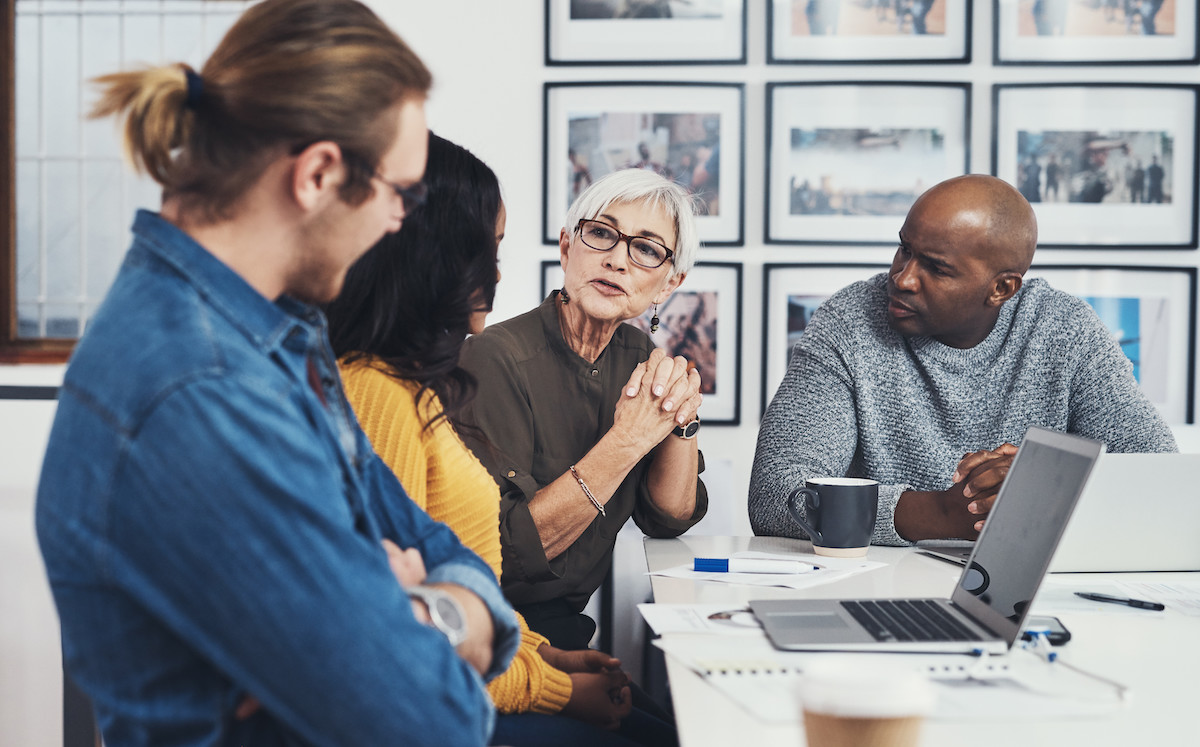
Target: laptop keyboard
907,620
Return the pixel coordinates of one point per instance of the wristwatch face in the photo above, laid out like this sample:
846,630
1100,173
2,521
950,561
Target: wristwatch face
450,614
689,430
444,612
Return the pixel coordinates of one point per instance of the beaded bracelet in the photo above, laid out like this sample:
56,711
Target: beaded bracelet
587,492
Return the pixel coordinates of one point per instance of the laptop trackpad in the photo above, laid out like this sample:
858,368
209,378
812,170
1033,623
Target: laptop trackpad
810,621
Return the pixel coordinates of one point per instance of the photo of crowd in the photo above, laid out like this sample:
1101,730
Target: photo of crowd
634,9
681,147
868,17
862,172
1095,167
687,326
1082,18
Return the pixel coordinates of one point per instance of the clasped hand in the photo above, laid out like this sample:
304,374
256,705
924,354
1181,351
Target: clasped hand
600,691
661,393
977,480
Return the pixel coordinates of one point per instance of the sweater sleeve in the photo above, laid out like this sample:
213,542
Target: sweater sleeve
389,416
530,684
1107,404
387,413
810,429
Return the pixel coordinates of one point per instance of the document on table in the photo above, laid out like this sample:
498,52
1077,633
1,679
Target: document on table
1020,686
1057,595
728,618
827,570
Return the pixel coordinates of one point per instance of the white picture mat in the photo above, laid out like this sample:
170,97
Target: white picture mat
950,46
724,280
646,39
848,107
1179,46
567,102
1165,339
1087,108
785,281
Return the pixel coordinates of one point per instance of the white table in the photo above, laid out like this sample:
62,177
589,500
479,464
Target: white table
1157,655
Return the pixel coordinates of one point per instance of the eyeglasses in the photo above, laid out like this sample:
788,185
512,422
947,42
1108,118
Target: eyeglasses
602,237
412,196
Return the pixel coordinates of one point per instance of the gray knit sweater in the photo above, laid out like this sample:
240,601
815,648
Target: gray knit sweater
860,400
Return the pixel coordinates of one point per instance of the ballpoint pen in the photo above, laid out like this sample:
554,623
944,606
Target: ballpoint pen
752,565
1139,603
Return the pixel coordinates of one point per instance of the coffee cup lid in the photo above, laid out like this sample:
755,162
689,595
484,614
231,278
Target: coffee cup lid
842,687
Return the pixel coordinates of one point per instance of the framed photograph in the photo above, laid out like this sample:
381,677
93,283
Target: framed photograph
868,31
1104,165
702,321
791,294
688,132
645,32
1100,32
1151,311
846,160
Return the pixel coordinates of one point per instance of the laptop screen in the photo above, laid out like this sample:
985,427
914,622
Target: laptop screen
1024,527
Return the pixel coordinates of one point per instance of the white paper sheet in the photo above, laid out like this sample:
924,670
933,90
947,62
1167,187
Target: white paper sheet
827,571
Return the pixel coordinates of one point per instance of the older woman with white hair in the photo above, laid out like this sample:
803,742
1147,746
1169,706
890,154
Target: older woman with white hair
578,417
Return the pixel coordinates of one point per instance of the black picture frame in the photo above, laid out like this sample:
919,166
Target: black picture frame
695,322
700,121
713,33
784,317
1090,140
1025,32
836,176
859,36
1161,302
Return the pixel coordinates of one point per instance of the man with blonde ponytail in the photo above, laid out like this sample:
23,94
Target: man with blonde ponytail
231,562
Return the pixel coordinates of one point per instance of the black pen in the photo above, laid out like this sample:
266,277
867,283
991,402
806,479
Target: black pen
1140,604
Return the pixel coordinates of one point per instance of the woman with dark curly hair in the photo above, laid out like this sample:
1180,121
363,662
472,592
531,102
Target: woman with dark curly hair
397,328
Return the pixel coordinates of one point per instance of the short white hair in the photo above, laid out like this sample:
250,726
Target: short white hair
640,185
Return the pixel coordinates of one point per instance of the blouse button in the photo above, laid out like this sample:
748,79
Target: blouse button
512,473
595,372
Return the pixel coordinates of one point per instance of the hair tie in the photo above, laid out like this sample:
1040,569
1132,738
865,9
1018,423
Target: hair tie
195,88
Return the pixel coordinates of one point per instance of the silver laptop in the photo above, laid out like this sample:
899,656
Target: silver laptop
994,591
1138,513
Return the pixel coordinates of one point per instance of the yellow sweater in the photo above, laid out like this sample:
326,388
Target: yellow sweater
445,479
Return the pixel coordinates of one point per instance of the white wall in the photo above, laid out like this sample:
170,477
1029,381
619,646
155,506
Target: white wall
30,658
487,59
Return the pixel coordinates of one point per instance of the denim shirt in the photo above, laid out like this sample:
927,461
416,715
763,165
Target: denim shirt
211,517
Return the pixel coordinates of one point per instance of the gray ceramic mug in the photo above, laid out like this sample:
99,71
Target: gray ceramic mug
840,514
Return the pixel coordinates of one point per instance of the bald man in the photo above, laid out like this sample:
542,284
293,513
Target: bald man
949,353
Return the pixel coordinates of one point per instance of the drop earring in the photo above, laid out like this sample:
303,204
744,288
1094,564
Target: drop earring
654,320
563,297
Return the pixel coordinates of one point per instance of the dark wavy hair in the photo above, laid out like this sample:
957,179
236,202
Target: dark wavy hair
408,300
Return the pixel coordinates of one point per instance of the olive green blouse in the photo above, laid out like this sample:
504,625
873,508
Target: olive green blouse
542,407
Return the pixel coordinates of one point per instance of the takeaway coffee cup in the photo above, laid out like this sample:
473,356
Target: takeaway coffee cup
847,705
839,514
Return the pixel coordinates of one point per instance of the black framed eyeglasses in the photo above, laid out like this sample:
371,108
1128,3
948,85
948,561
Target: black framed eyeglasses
413,196
602,237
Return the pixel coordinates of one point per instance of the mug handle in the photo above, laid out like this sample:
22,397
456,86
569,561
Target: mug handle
815,497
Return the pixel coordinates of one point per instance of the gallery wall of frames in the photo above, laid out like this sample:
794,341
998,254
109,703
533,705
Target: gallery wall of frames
1088,108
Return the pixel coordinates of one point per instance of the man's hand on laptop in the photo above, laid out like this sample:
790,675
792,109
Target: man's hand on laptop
981,474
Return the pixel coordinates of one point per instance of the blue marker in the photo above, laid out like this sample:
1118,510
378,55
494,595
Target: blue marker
752,565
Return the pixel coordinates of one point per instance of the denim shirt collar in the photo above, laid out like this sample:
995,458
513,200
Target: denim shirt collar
290,331
263,322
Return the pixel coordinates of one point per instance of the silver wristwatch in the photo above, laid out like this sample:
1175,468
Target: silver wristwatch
445,612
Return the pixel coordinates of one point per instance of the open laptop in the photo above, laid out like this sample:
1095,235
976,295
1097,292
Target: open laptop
995,589
1137,513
